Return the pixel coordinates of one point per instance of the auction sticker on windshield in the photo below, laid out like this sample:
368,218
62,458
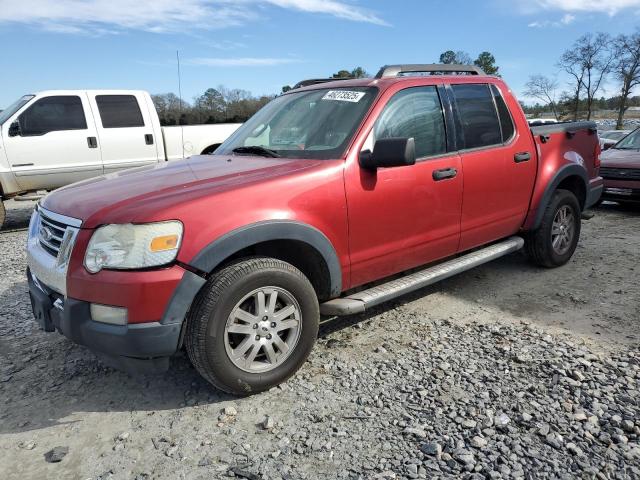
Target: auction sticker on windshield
343,95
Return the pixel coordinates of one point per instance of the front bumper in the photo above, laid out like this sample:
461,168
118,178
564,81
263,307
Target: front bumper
625,191
135,348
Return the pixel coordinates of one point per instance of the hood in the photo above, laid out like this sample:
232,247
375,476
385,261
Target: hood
142,194
620,158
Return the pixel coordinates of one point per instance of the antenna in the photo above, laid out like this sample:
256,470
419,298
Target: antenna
180,100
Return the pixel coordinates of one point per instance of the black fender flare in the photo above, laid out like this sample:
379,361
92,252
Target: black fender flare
216,252
565,172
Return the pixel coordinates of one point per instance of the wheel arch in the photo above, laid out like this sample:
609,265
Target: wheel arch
300,244
570,177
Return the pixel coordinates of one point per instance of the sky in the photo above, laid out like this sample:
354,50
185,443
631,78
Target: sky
261,45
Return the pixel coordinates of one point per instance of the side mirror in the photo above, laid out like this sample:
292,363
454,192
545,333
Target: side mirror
389,152
14,129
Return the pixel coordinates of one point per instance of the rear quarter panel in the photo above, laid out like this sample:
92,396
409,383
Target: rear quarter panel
558,150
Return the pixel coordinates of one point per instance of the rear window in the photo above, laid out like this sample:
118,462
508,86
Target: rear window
480,123
119,111
506,123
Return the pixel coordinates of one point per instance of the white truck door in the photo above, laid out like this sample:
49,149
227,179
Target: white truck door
52,142
125,130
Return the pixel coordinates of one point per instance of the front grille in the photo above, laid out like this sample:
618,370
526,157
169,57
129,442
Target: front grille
620,173
51,234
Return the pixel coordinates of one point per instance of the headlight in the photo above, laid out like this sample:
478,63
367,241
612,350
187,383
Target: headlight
131,246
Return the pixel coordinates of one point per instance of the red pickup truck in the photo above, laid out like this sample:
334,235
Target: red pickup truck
335,197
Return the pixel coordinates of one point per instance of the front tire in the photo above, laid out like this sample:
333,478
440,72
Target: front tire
253,325
3,213
555,240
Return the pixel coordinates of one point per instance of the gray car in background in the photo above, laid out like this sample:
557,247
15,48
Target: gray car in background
609,138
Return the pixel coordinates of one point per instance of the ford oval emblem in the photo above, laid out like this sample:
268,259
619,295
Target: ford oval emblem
46,234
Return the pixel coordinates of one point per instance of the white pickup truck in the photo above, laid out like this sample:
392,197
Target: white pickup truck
53,138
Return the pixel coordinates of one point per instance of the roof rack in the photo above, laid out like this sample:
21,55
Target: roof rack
396,70
315,81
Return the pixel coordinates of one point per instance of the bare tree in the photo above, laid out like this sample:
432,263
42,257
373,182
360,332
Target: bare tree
589,61
626,68
459,57
571,63
170,108
599,58
544,89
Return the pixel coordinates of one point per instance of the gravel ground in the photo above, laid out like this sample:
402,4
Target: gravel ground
507,371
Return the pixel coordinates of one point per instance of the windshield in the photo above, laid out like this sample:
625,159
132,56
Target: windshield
615,135
13,108
316,124
630,142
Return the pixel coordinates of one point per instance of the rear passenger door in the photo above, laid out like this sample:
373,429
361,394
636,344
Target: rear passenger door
403,217
498,163
125,131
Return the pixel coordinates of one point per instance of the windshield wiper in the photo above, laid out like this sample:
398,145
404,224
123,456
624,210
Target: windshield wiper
257,150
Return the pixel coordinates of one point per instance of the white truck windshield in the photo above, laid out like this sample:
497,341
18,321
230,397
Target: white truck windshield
14,107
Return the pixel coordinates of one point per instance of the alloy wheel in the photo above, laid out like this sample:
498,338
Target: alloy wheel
562,230
262,329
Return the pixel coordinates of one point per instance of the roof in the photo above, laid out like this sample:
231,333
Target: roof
394,73
90,92
384,83
391,74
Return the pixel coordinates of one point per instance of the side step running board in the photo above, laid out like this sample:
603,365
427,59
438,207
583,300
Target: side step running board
361,301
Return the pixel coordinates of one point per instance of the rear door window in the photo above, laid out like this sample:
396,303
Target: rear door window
119,111
477,112
506,123
414,113
53,114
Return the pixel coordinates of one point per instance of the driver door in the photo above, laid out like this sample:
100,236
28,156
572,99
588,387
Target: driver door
56,144
404,217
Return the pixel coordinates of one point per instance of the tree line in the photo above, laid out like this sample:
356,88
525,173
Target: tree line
215,105
592,61
223,105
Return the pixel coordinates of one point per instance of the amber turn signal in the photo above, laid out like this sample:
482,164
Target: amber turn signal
166,242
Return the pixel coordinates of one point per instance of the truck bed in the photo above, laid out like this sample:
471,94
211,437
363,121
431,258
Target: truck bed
184,141
565,139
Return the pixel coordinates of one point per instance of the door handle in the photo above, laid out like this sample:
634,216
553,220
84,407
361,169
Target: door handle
444,173
148,139
92,142
522,157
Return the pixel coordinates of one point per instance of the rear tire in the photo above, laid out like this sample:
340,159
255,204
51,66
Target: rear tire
252,325
555,240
